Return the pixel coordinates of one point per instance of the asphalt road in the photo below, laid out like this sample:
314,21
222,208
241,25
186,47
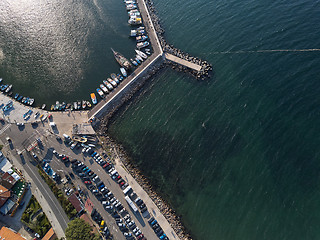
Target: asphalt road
49,203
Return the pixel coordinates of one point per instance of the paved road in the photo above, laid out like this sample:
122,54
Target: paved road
39,188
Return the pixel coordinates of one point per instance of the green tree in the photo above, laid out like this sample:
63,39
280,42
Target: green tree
79,229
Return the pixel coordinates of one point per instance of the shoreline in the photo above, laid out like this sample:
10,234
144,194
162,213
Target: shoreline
175,220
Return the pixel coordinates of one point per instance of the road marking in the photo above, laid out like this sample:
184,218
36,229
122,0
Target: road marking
5,128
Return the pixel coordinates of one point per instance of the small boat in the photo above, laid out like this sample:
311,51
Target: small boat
79,104
141,38
120,77
134,20
9,88
93,98
3,87
140,58
83,104
114,84
89,104
56,107
133,33
23,99
0,80
71,108
142,44
31,101
123,72
109,86
141,54
103,87
63,105
68,105
134,62
20,98
52,107
137,60
131,7
10,94
43,106
75,105
27,100
114,77
16,96
99,91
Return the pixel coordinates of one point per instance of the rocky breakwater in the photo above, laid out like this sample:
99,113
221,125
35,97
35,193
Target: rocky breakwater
206,67
117,151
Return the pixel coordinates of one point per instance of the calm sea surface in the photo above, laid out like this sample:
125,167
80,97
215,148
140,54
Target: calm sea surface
237,156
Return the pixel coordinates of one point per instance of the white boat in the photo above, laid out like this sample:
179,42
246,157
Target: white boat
104,88
31,101
142,44
9,88
123,72
141,54
140,58
108,85
135,20
114,84
133,33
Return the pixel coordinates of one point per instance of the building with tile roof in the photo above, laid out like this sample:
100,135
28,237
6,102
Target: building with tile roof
5,194
50,235
9,234
75,201
7,181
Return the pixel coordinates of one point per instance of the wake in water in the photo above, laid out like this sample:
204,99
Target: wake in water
270,51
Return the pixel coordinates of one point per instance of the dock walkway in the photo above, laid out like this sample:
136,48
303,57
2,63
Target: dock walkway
182,62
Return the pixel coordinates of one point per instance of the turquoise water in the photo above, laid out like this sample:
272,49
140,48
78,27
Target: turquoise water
237,156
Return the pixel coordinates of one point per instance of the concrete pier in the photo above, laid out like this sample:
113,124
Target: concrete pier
182,62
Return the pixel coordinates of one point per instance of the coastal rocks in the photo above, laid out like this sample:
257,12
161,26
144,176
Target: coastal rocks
206,68
117,151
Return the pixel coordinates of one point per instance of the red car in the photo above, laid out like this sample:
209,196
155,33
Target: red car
50,116
88,182
118,178
122,183
106,165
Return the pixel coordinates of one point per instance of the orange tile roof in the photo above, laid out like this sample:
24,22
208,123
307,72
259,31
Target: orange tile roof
50,235
4,195
8,234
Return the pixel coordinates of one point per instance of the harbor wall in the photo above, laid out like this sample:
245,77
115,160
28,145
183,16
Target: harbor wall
127,91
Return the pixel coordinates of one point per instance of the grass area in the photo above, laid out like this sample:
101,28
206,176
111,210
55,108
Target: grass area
35,219
66,205
18,186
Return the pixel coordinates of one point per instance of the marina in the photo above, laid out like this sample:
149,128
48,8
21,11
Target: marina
115,90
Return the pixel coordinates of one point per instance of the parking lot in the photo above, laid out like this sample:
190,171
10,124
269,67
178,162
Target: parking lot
95,182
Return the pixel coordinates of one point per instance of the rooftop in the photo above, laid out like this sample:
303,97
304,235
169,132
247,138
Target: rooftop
50,235
76,202
8,234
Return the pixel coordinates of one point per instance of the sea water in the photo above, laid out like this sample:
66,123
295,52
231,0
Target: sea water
237,156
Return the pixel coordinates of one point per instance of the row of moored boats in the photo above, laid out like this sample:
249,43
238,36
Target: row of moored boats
7,89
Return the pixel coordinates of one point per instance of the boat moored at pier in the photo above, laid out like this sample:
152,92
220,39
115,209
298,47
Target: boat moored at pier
123,62
123,72
93,98
141,54
142,44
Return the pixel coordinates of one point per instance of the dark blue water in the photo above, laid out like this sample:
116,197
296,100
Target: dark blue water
237,156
